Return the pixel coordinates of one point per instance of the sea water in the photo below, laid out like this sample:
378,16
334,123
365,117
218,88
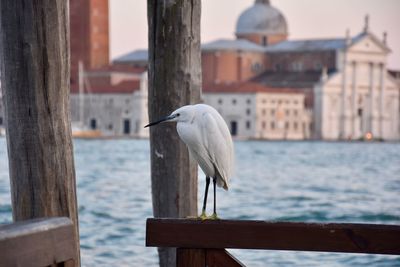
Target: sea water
285,181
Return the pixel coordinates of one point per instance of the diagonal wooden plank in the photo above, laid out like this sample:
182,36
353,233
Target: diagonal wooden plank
221,258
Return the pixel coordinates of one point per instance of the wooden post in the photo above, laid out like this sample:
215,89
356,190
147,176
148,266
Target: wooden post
35,72
174,81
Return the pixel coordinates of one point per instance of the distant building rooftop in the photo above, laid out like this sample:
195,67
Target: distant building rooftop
141,55
239,44
317,44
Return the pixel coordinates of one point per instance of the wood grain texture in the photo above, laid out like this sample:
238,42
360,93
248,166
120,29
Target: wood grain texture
38,242
35,65
174,81
329,237
190,257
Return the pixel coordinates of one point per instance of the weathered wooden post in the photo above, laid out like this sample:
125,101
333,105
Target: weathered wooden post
35,71
174,81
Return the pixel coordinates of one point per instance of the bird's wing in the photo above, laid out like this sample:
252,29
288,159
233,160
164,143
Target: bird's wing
218,146
191,135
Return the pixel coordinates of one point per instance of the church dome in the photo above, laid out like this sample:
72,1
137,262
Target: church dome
262,19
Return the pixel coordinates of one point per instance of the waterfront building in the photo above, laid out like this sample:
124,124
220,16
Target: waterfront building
110,99
254,111
113,101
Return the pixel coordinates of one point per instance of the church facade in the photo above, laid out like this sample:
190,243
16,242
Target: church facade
361,99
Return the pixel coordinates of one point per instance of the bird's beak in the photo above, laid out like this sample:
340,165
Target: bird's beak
170,117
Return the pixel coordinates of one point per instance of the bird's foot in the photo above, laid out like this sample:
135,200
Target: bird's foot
203,216
213,217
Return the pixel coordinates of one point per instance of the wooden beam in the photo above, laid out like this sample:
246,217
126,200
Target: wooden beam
38,242
330,237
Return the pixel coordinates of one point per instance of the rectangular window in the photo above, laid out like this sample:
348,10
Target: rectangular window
234,128
93,124
127,126
1,120
248,124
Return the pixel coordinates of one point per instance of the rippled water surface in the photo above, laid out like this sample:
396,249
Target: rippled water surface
287,181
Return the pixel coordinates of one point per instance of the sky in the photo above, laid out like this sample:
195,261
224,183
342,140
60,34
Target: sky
306,19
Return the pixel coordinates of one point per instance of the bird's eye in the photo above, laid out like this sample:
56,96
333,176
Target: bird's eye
178,114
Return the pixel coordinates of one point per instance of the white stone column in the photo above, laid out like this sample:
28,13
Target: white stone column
354,100
343,105
342,113
371,99
382,84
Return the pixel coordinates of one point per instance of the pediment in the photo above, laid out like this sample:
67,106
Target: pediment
368,43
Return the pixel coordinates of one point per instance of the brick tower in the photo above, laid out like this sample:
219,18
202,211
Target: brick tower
89,35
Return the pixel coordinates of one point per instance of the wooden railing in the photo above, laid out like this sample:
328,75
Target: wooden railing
39,242
203,243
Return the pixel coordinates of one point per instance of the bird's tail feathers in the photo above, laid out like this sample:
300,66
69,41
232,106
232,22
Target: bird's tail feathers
221,181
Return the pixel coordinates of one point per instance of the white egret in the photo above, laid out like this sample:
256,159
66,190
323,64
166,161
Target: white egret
208,139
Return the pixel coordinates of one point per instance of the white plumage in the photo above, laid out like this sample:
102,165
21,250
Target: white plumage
209,141
207,137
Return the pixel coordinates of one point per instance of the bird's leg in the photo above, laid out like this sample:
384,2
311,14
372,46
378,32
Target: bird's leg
203,215
214,215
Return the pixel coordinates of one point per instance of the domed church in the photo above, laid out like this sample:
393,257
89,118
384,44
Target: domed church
270,87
